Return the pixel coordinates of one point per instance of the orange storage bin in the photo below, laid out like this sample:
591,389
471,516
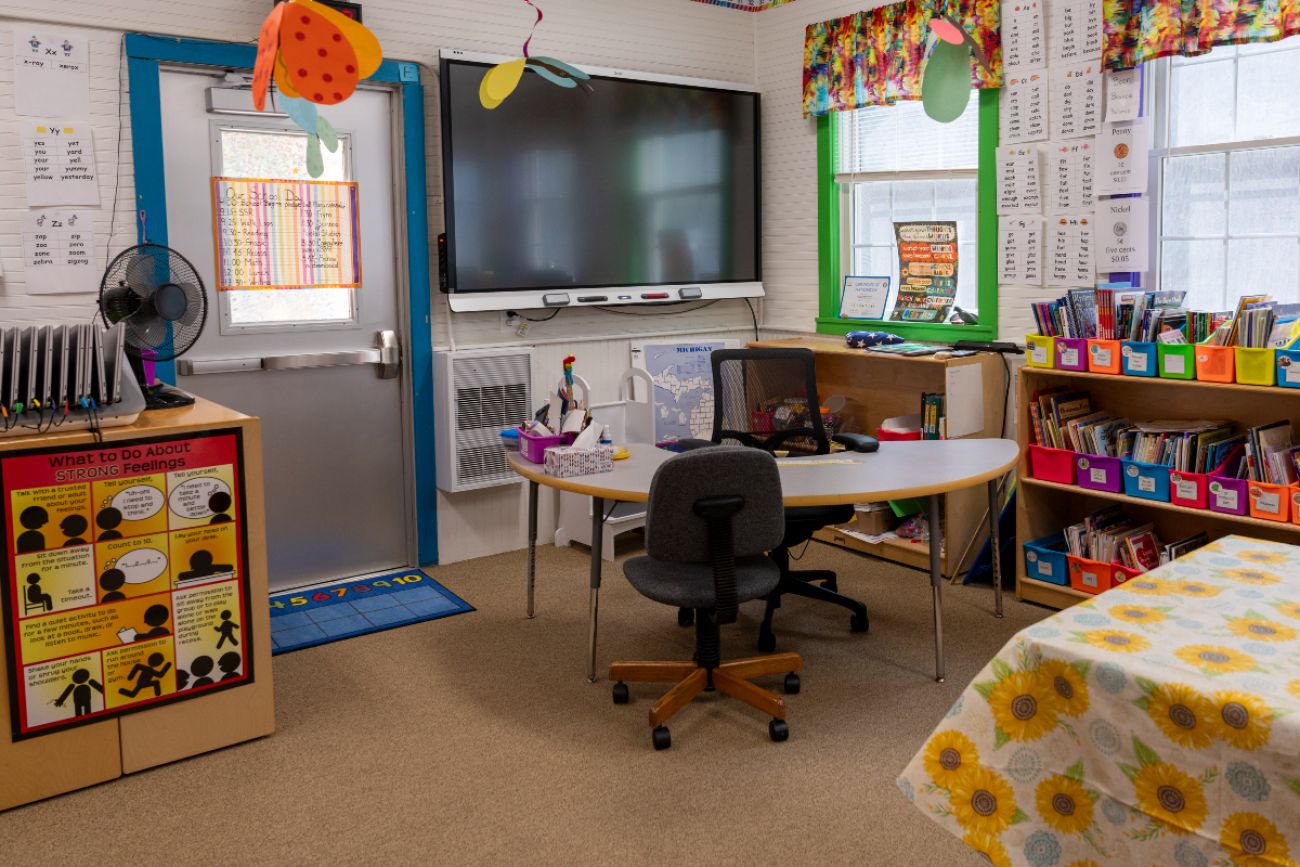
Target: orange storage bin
1103,356
1091,576
1295,504
1270,502
1216,363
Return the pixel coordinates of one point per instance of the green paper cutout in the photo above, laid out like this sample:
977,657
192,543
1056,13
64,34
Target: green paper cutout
326,133
945,83
315,162
552,77
572,71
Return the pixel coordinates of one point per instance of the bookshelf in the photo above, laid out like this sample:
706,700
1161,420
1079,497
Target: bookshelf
1044,508
877,386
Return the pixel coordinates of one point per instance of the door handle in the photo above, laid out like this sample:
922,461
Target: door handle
387,356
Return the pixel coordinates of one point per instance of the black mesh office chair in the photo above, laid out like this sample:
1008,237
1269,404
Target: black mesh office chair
712,516
767,399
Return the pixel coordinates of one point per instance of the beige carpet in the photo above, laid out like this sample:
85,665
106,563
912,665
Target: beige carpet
477,740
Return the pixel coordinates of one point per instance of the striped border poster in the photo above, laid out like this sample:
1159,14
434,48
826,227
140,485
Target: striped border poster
273,234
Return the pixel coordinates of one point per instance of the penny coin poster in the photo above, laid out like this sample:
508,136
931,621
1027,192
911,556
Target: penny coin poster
927,271
125,577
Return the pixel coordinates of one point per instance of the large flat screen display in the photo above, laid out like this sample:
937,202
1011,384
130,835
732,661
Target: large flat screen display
632,186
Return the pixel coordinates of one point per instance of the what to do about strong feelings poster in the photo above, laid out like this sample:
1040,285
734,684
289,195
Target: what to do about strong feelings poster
125,577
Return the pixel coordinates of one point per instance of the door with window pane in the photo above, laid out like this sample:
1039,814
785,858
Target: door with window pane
303,358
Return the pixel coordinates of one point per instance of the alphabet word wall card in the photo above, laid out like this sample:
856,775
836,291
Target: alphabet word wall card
60,164
1070,167
1075,30
1019,180
1024,41
1076,100
1022,110
1069,246
1020,251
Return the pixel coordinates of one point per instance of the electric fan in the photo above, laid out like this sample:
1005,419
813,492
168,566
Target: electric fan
158,297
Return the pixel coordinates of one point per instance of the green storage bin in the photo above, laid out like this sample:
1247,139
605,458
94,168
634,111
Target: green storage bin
1177,360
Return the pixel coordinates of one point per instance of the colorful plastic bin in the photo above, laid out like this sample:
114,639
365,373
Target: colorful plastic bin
1295,504
1071,353
1140,358
1051,465
533,446
1269,502
1098,473
1256,366
1228,496
1288,368
1215,363
1121,573
1045,560
1103,356
1177,360
1040,351
1190,490
1090,576
1146,481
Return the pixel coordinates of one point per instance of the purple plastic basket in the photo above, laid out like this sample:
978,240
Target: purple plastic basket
1228,495
1098,473
533,446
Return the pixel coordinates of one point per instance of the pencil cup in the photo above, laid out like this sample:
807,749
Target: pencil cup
1228,495
1139,358
1270,502
1051,465
1071,353
1103,356
1215,363
1255,366
1288,368
1177,360
1146,481
1189,489
1040,350
1098,473
1045,560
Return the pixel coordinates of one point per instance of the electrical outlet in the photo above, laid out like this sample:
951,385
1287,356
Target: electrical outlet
510,322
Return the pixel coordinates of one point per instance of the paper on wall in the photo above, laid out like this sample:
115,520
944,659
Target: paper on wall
1123,95
1075,100
51,72
964,399
59,252
59,163
1022,109
1068,171
1019,179
1121,235
1020,250
1070,259
1076,30
1122,153
1024,41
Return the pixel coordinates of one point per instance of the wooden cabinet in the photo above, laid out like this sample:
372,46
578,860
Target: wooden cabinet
877,386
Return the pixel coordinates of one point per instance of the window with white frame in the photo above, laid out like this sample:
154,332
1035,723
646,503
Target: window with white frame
1228,153
895,164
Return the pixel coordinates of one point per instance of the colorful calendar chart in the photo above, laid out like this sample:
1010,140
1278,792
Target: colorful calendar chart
125,577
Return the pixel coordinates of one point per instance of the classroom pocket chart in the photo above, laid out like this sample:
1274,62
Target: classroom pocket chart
1019,179
1069,244
1024,42
1076,100
1076,30
1069,169
1020,250
1022,110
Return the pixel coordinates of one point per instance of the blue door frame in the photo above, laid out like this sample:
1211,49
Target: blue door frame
144,55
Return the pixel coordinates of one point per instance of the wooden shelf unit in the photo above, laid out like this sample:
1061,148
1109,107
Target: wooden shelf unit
1044,508
877,386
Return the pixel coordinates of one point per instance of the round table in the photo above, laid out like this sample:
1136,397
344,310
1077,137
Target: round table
898,471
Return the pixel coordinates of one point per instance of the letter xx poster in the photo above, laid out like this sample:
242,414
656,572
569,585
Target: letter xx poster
125,577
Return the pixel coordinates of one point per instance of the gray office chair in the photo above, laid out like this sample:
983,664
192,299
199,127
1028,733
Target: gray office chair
712,516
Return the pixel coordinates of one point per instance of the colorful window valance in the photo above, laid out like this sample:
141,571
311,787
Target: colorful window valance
1141,30
746,5
877,57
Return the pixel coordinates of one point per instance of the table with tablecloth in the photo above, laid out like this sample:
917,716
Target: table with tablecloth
1156,724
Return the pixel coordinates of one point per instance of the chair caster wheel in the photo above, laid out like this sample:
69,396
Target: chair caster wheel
766,642
779,730
792,684
662,739
621,695
685,616
859,623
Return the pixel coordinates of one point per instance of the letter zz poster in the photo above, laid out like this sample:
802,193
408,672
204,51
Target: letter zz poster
927,271
125,576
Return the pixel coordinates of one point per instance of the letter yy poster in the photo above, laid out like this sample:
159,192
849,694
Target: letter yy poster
125,577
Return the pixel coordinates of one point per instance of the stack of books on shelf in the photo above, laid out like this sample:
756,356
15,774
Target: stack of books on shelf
1111,536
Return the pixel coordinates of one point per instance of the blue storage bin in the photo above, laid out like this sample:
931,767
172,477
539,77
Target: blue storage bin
1140,358
1045,560
1288,368
1146,481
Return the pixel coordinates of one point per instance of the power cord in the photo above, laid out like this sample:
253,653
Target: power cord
554,313
752,315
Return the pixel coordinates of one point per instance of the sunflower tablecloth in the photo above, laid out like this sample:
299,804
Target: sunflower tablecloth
1157,724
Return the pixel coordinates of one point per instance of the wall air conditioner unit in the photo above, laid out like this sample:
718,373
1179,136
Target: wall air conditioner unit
477,394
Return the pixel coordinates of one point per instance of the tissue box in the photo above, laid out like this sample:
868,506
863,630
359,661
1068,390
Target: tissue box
565,461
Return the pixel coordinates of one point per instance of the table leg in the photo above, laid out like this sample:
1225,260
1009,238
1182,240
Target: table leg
597,543
995,547
936,581
532,542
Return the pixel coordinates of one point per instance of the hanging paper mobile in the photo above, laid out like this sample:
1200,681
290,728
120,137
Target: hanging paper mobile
316,56
501,80
945,85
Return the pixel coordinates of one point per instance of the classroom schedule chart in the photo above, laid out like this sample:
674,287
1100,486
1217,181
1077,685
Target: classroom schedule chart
126,577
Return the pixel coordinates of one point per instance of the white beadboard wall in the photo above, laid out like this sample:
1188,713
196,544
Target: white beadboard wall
677,37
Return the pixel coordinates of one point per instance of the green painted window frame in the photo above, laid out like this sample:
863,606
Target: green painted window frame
828,241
